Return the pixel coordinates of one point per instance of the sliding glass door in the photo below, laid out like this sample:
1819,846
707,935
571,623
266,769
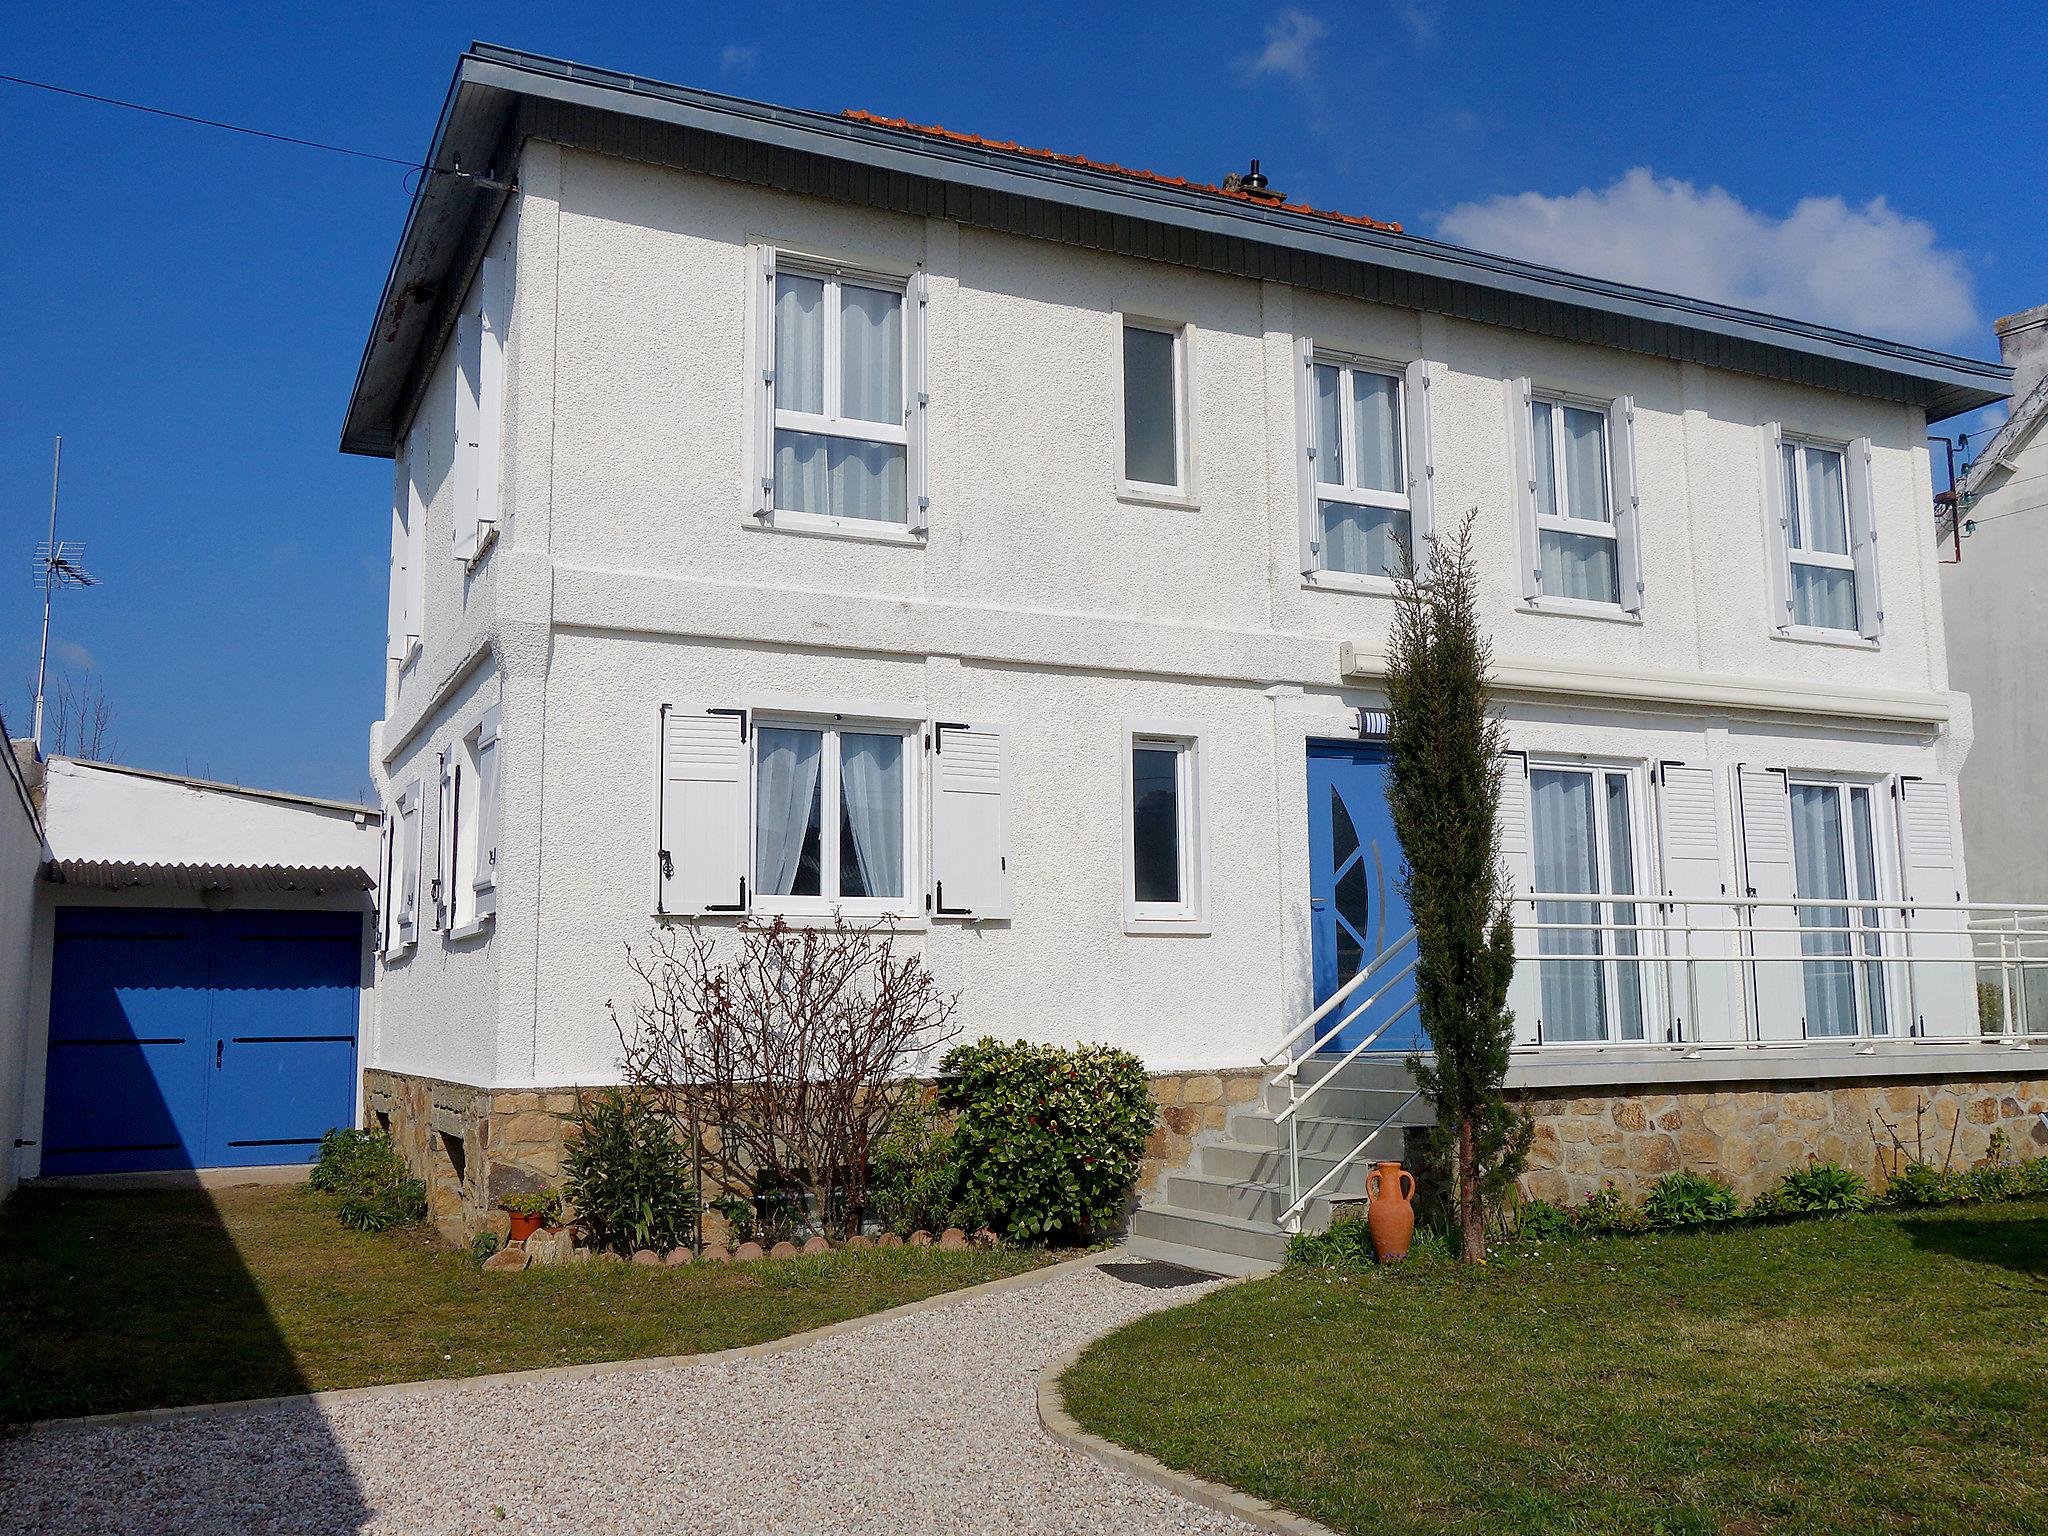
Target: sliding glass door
1835,860
1585,843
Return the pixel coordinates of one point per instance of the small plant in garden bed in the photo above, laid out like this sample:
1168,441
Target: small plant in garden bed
1819,1189
1542,1221
1686,1199
1346,1244
544,1203
373,1190
628,1176
1607,1211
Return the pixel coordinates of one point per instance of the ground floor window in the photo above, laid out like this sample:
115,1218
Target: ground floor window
1834,856
1585,843
1163,793
831,817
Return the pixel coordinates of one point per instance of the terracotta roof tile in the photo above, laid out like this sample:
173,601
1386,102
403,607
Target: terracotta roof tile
1180,182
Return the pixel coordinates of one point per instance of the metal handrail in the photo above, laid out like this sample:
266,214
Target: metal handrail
1336,997
1291,1217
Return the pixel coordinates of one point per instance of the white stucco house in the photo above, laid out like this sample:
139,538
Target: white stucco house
834,517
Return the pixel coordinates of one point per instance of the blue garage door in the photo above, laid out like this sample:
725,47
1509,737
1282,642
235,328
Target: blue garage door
186,1039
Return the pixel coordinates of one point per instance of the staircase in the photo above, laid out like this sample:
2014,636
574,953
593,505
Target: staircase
1222,1213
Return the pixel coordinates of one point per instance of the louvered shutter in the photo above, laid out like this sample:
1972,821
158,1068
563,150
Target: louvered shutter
485,877
1530,546
462,477
1764,804
1415,400
1518,859
490,390
1863,540
764,382
1628,501
970,833
1702,996
1944,980
412,854
396,645
387,882
917,407
705,802
1305,455
447,818
1777,526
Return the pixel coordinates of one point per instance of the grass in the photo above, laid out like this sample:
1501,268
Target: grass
1873,1373
112,1301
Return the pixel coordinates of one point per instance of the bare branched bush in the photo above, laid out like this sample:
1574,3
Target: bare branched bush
784,1051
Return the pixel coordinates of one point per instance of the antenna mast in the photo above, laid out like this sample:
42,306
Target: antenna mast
57,565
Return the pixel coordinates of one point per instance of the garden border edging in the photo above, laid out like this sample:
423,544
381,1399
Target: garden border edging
1225,1500
436,1384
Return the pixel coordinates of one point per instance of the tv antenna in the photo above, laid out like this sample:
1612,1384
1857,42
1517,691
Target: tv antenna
57,565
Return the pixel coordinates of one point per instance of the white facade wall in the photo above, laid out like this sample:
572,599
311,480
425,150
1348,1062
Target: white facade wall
21,858
629,572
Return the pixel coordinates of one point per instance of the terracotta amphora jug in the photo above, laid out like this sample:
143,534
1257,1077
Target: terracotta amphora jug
1388,1215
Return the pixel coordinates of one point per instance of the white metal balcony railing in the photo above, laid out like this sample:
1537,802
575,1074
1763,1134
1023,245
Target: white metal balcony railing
1698,987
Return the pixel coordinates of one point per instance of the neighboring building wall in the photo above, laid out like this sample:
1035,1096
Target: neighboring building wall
1996,600
21,858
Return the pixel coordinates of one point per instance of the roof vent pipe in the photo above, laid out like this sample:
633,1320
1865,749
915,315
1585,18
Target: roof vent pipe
1252,183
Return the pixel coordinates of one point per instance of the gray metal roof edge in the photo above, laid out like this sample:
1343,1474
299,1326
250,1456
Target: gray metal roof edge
286,797
2026,419
807,131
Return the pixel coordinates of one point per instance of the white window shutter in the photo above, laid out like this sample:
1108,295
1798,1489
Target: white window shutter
970,821
917,407
490,391
764,382
484,879
705,804
446,815
1701,997
1421,460
1518,862
396,630
1628,501
412,855
1531,546
1777,526
1943,981
462,478
1764,806
387,879
1305,454
1863,540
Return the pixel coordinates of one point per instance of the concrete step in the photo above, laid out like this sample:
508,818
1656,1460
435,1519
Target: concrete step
1348,1101
1205,1261
1323,1138
1220,1236
1239,1163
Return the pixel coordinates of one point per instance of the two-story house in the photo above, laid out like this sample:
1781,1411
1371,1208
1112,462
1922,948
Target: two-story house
838,518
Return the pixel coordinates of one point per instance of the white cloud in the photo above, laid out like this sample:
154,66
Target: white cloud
1289,38
1869,269
71,654
737,57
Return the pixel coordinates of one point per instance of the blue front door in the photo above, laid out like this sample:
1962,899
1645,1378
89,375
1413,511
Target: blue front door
189,1039
1355,906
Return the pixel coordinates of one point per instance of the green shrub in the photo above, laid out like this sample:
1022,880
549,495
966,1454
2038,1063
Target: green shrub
1921,1184
629,1176
1821,1187
544,1203
1606,1212
1542,1221
913,1177
372,1189
1346,1245
1047,1139
1686,1199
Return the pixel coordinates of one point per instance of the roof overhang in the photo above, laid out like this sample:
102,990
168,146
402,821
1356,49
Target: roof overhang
502,96
248,879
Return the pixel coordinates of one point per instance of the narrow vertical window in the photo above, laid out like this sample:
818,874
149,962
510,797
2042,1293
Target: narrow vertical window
1834,856
1164,882
1578,548
841,444
1817,530
1153,434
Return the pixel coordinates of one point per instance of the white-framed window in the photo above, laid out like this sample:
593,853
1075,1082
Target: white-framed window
408,571
1823,524
832,817
479,411
1366,467
1155,456
1584,822
1837,856
844,397
1578,499
1165,874
404,858
477,860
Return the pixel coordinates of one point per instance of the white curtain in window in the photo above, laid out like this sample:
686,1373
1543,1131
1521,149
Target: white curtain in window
1579,565
1823,596
871,355
1376,401
1365,540
1820,875
1567,859
1866,885
1621,880
1585,456
867,481
1827,506
786,802
800,344
1329,426
1545,467
801,478
871,782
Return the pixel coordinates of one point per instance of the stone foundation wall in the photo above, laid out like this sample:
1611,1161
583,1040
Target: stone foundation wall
1190,1103
1753,1136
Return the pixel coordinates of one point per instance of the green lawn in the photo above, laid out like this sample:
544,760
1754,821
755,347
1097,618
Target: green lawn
138,1300
1874,1373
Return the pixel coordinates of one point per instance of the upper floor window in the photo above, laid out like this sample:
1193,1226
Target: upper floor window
1155,446
1825,531
479,410
842,366
1579,510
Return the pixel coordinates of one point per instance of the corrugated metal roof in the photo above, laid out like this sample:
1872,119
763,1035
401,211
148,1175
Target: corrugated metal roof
114,875
502,96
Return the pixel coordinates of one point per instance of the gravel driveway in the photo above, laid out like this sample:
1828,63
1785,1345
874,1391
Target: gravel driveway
921,1423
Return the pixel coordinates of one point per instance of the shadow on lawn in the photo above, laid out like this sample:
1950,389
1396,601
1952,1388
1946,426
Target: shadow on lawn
113,1300
2020,1246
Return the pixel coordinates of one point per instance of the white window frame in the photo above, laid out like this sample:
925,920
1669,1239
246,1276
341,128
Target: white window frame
1181,493
1561,522
409,541
1644,899
1799,548
409,816
828,904
1191,913
1885,878
479,373
470,885
910,434
1319,490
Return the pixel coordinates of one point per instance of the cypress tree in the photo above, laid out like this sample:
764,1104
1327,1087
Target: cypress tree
1445,744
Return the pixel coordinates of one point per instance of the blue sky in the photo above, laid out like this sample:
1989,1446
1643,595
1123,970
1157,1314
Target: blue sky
188,307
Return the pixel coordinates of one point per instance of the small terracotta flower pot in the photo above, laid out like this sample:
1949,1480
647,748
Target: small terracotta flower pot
523,1226
1389,1218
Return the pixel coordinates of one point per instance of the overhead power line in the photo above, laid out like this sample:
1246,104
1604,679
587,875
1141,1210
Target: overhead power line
211,122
